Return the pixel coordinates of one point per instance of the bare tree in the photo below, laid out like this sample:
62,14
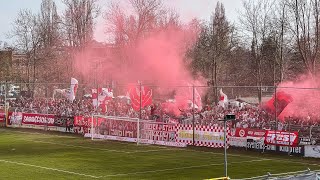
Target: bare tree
25,32
51,43
148,16
306,31
49,30
78,21
283,28
222,42
210,55
129,28
255,20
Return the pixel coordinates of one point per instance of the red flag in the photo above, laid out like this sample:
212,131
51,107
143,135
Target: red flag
278,105
134,94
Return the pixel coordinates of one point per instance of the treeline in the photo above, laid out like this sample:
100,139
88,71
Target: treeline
272,41
47,39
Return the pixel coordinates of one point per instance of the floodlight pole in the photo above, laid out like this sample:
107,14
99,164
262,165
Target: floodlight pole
289,151
193,116
225,143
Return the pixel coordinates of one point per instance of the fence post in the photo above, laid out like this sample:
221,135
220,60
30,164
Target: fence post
289,151
193,117
275,108
140,114
46,105
5,104
276,114
140,100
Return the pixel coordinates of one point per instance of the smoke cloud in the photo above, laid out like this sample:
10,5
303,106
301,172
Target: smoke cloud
158,59
304,93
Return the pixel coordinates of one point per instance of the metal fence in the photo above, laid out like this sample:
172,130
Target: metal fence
184,103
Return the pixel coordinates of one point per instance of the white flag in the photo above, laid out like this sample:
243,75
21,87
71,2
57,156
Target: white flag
73,89
223,99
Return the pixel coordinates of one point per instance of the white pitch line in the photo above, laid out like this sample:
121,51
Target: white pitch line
167,148
180,168
35,133
93,148
296,162
47,168
133,152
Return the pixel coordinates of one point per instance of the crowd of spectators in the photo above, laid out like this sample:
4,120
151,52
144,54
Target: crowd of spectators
248,116
79,107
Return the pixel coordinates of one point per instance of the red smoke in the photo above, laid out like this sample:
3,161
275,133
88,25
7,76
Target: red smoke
304,94
158,59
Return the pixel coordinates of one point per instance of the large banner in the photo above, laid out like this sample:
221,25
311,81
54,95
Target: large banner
120,128
82,125
158,131
15,118
282,138
64,123
2,117
238,136
249,133
38,119
127,128
259,145
203,135
106,126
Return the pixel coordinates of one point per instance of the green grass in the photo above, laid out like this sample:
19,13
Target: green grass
29,154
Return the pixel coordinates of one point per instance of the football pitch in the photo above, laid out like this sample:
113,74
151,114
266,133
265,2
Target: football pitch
30,154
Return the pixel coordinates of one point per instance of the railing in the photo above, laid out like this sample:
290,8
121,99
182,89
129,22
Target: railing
296,175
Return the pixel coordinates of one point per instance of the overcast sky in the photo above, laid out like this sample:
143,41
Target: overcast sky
188,9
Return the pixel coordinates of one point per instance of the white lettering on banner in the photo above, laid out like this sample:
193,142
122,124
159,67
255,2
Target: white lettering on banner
158,131
256,133
296,150
214,137
260,146
203,136
237,141
159,127
158,135
280,138
185,135
312,151
122,133
38,119
15,118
